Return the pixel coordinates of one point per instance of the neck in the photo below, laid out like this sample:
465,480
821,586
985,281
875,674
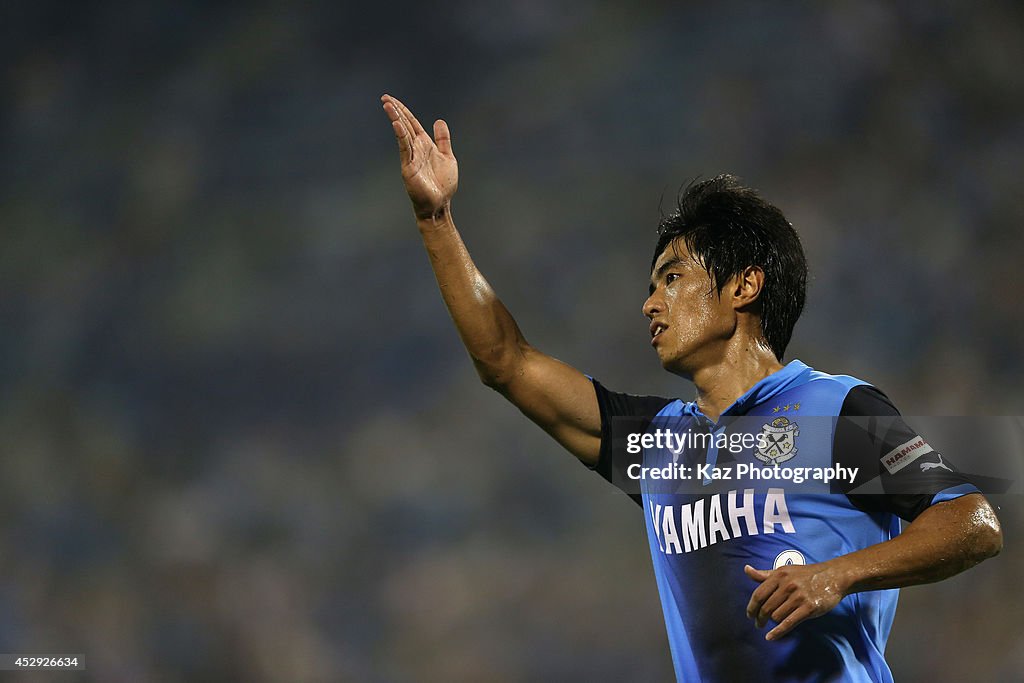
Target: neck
721,383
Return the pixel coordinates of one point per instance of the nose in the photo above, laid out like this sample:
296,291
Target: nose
653,305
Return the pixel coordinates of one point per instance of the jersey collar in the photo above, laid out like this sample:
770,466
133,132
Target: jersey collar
791,375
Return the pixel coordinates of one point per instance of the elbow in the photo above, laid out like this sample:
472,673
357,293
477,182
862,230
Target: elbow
987,533
492,379
497,368
991,543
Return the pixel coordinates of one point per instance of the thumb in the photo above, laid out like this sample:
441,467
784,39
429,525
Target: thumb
756,574
443,137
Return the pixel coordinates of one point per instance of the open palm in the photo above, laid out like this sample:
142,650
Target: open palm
429,169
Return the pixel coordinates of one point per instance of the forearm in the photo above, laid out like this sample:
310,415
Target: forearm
486,327
559,398
944,540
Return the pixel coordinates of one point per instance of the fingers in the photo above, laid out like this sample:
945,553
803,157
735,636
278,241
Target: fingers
775,602
761,593
754,606
756,574
404,145
397,111
443,137
789,623
413,122
401,132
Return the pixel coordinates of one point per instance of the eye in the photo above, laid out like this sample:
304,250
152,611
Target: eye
670,278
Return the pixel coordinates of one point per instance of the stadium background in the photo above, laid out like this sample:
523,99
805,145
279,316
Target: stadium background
240,439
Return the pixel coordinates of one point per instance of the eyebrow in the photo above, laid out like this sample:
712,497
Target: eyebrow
667,265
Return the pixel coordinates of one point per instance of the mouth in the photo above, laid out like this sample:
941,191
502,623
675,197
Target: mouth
656,330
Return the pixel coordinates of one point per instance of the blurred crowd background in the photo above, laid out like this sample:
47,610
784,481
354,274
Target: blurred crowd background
239,437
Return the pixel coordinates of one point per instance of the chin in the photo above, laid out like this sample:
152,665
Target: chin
677,365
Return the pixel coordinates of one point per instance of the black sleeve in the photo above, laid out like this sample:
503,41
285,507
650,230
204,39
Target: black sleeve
899,472
615,407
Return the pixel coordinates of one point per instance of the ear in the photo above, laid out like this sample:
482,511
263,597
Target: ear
747,287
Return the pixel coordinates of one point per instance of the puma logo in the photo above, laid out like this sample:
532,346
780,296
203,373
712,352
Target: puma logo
932,465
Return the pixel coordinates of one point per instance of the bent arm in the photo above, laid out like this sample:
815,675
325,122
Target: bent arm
942,541
555,396
559,398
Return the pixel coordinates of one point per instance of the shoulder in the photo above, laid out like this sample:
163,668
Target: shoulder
824,381
827,394
859,397
618,404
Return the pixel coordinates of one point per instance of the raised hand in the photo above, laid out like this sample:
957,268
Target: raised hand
429,169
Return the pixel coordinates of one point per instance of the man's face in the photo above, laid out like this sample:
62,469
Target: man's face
690,322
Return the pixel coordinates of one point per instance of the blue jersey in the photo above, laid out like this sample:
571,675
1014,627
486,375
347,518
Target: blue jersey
704,530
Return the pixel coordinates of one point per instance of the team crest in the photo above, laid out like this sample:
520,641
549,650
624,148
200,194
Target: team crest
777,442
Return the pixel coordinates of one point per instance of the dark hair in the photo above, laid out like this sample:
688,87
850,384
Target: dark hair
726,228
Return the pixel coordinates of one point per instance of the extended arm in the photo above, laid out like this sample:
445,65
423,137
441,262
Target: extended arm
556,396
942,541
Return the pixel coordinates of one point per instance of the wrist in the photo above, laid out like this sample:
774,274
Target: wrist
431,218
843,575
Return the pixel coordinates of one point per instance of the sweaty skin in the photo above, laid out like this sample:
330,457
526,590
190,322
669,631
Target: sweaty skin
710,338
944,540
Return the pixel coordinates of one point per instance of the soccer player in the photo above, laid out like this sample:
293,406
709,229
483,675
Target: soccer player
730,557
